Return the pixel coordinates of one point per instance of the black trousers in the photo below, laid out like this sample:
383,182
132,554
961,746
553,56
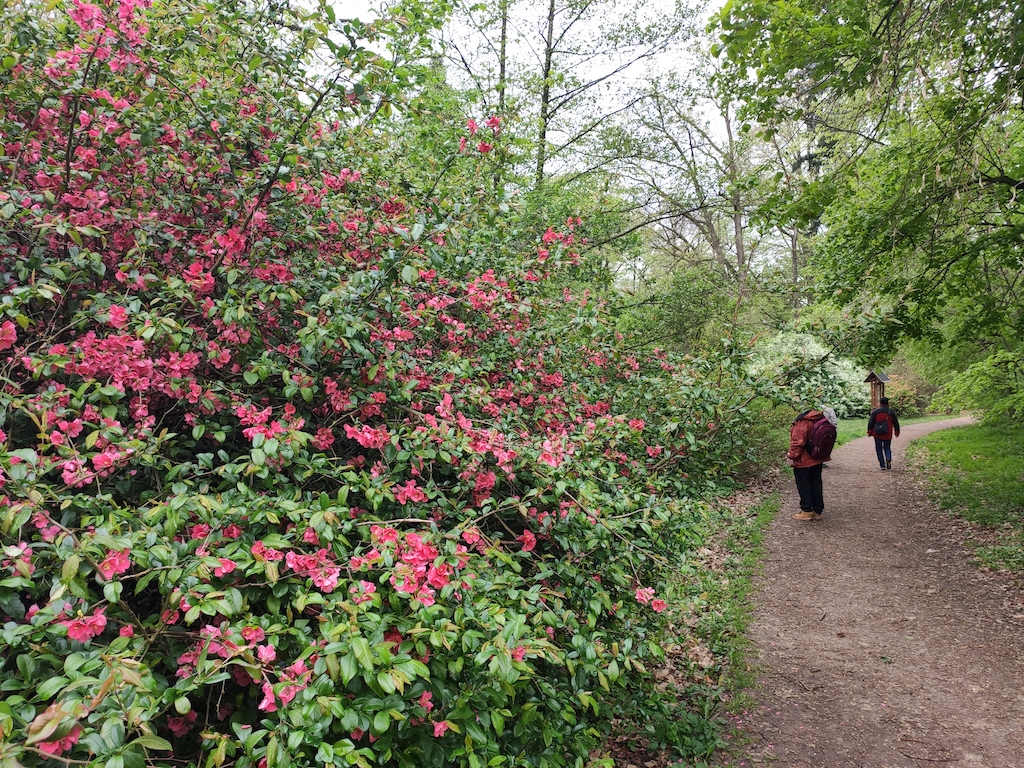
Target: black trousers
808,485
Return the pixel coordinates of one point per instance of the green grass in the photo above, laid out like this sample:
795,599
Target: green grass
713,595
976,473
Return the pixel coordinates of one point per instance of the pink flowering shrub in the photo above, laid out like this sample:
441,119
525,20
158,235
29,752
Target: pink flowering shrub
296,469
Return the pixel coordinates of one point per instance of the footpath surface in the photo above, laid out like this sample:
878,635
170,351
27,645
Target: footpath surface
878,644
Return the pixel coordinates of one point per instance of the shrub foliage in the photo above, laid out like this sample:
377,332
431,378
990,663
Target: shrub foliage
298,467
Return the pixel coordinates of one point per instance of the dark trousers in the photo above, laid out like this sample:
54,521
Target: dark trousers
883,450
808,485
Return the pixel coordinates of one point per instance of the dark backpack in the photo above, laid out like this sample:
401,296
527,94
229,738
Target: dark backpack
821,439
883,424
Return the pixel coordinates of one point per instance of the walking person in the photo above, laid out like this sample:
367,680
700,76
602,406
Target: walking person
883,426
807,459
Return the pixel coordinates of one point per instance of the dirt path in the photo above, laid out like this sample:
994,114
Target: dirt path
879,645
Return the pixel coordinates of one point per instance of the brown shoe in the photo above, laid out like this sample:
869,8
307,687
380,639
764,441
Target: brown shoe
817,515
803,516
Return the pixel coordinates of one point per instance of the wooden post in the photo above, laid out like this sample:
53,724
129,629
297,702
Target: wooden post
877,382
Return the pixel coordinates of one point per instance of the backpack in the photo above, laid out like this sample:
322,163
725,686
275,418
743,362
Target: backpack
883,424
821,438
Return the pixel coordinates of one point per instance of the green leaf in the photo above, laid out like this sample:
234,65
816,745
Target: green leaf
70,568
361,649
151,741
349,667
381,722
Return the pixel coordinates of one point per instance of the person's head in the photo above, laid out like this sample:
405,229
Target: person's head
883,401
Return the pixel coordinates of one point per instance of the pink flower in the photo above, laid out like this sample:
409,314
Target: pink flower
118,316
636,424
254,634
268,704
324,439
383,535
644,594
61,745
84,628
483,147
409,492
264,553
114,563
363,591
181,725
658,605
519,652
86,15
8,335
494,123
528,539
226,566
440,728
472,127
368,437
266,653
126,631
425,701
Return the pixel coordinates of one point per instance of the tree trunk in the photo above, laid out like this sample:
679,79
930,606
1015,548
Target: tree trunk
545,96
502,56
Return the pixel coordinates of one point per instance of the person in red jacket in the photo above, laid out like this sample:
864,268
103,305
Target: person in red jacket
883,426
807,469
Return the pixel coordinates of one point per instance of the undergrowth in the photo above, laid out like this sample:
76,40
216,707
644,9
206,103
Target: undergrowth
975,472
707,666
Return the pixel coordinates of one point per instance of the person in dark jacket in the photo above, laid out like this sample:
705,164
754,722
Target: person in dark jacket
807,469
883,426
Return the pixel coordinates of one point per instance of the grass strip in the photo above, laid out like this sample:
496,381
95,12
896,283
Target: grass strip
975,473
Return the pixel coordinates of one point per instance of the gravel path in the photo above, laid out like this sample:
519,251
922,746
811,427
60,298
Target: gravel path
878,644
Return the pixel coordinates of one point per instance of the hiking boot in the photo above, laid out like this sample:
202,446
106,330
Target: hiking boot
816,515
803,516
888,464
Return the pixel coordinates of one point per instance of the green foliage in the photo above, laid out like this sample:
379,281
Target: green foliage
992,387
306,461
914,113
974,472
686,312
904,397
813,376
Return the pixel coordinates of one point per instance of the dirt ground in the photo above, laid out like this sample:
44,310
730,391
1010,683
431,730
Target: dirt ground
877,643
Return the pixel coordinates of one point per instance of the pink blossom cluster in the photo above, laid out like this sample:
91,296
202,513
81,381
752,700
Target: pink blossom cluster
367,436
295,679
319,567
85,628
419,571
645,596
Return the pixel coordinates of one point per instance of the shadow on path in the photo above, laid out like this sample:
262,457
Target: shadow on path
879,645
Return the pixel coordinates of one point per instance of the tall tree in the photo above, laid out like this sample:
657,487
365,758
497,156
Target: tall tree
559,67
919,195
